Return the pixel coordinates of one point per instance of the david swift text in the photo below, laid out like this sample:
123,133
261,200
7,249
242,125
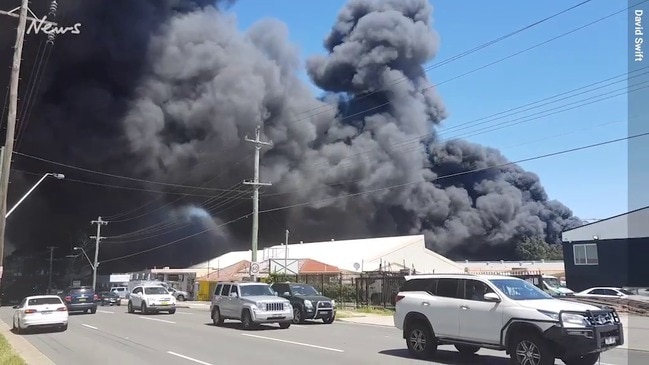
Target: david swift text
638,36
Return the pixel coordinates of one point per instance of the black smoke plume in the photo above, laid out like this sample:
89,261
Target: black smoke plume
167,91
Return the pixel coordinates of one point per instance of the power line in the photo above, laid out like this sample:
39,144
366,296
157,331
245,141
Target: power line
335,107
116,176
464,53
384,188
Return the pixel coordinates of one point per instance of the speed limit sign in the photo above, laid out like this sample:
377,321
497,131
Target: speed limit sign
254,268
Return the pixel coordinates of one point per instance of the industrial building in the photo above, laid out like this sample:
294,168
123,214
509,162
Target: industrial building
608,252
349,256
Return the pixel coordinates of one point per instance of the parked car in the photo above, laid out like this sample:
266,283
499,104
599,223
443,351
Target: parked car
178,294
108,298
307,302
502,313
251,303
121,291
80,299
40,311
151,299
610,292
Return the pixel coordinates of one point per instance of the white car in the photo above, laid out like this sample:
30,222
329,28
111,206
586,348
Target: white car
609,292
502,313
40,311
151,299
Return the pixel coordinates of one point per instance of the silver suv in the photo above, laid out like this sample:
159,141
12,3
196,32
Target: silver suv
251,303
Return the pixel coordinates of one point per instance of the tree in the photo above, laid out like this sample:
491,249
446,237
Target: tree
535,248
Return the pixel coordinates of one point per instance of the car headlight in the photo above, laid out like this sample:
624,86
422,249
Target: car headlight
333,302
308,304
574,320
552,315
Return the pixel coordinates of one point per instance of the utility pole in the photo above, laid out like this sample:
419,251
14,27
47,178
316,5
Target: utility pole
49,284
97,238
286,253
255,197
11,125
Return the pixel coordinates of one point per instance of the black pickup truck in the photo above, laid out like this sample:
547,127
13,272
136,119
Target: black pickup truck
307,302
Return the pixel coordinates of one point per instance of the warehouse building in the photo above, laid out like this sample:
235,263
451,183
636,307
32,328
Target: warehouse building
608,252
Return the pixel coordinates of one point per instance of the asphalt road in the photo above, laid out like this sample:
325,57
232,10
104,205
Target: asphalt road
112,336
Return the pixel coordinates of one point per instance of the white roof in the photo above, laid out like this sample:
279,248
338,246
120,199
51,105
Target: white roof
42,297
366,254
628,225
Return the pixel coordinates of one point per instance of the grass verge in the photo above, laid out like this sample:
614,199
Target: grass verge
7,354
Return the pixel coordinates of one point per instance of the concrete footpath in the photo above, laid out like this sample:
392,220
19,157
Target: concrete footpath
23,348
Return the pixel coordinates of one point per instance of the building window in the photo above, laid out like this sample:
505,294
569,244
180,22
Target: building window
585,254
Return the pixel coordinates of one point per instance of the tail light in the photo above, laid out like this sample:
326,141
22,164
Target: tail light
68,298
62,309
398,298
30,311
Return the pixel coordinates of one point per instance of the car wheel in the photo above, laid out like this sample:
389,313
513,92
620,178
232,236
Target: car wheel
129,307
530,349
181,298
216,317
246,319
421,342
297,315
63,328
589,359
467,349
16,327
284,325
172,311
93,310
143,309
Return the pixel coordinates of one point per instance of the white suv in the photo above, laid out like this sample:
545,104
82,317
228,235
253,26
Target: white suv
151,299
502,313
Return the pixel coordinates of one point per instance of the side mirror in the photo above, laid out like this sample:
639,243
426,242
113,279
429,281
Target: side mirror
286,294
492,297
15,307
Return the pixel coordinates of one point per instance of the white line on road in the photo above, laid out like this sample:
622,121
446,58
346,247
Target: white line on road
155,319
105,312
89,326
188,358
184,313
293,343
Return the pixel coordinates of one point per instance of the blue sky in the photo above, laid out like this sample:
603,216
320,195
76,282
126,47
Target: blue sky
593,182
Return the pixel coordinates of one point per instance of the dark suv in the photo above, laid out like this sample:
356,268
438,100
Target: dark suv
80,299
307,302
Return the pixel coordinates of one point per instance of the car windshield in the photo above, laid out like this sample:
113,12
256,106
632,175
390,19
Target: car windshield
255,290
626,292
552,282
155,290
303,290
518,289
44,301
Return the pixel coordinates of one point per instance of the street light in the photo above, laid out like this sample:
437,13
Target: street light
94,266
55,175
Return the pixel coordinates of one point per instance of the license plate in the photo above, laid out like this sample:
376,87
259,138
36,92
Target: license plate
610,340
46,312
165,303
82,299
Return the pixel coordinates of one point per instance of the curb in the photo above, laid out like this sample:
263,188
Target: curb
28,352
352,321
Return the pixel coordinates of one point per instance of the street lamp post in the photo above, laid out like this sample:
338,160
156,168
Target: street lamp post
55,175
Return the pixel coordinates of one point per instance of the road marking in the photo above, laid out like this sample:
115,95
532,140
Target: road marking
105,312
89,326
188,358
155,319
184,313
293,343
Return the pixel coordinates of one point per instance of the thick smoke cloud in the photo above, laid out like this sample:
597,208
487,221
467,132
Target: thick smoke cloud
169,92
